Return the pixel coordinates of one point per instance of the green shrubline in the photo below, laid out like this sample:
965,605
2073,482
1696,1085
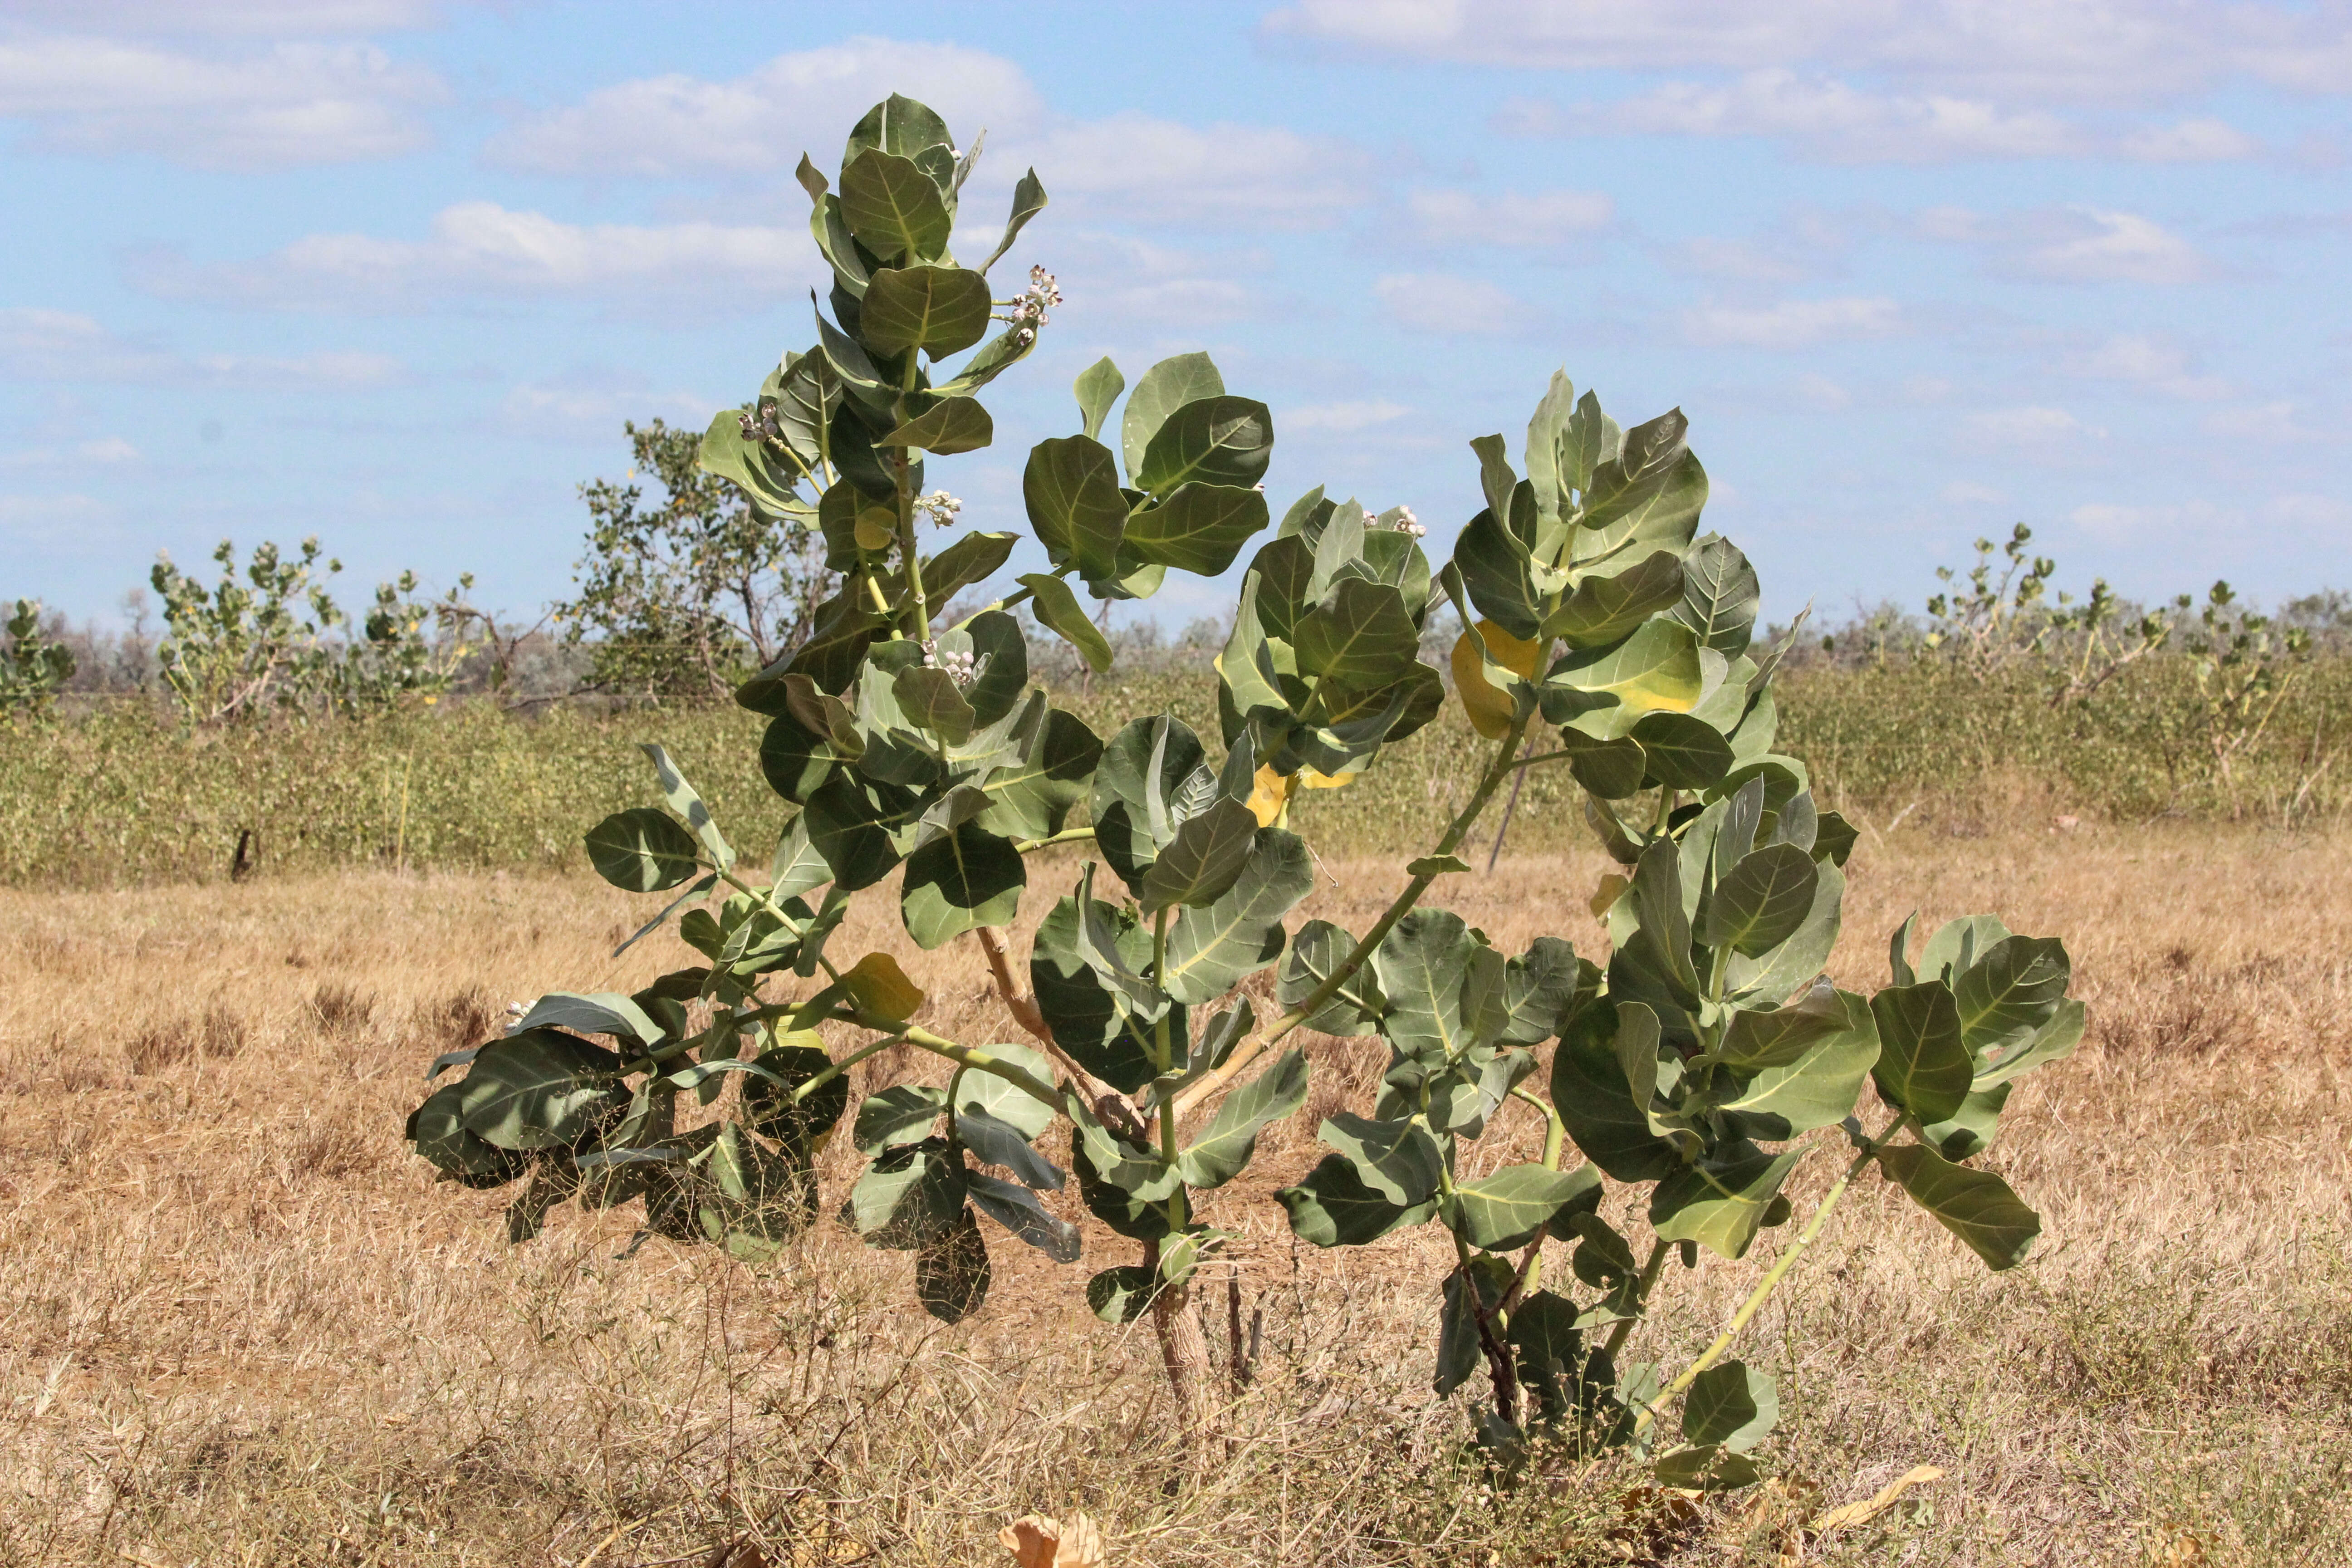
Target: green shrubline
1599,628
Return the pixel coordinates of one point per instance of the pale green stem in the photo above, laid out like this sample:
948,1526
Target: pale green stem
1067,836
1772,1281
846,1063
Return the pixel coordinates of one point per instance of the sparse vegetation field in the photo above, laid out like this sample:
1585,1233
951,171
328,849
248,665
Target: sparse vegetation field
242,1326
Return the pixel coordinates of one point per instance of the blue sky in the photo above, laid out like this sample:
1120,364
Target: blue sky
394,272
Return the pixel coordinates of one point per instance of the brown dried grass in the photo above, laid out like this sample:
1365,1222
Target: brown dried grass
240,1325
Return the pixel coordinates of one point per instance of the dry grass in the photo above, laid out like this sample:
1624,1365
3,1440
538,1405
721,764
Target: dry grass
241,1326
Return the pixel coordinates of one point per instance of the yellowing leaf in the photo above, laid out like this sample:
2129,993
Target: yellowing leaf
1605,897
1040,1542
1310,779
1270,794
1490,708
881,988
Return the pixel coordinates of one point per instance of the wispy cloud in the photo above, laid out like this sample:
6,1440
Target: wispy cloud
289,104
2073,244
1793,323
67,347
483,249
1447,303
1541,220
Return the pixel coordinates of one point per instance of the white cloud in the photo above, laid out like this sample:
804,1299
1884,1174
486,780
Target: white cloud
33,522
1342,418
2121,247
1140,168
2051,436
1833,120
63,346
269,18
2204,140
2274,424
590,403
107,451
1817,392
1548,219
1792,323
293,103
765,120
1444,302
2145,361
483,248
2072,245
1965,492
2012,50
1154,171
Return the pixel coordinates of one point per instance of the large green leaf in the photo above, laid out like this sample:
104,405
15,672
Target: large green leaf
2054,1040
1058,609
1731,1405
1605,690
1225,441
1129,1213
1199,528
1497,572
1218,1155
1333,1207
1604,609
892,208
2011,993
897,124
848,829
592,1013
902,1114
932,701
1420,965
1151,777
1969,1130
1975,1206
1776,1037
1018,1210
1033,796
1163,389
939,310
1203,859
1316,954
1360,636
1595,1102
1923,1063
642,849
1676,750
1210,949
950,425
439,1129
1763,901
1765,982
965,880
1082,1015
1720,595
540,1089
1720,1204
1398,1160
1071,489
909,1196
1632,514
1504,1210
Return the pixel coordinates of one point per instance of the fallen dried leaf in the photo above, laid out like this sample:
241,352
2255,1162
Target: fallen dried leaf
1039,1542
1855,1513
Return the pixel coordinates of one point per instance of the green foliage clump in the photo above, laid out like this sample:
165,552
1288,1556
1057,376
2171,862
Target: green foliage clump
33,665
1695,1066
278,641
686,594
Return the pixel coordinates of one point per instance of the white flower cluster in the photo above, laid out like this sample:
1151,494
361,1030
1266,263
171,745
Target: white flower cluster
942,506
761,425
1408,524
1029,305
959,666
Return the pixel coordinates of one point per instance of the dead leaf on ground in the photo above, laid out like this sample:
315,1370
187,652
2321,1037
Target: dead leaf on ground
1039,1542
1855,1513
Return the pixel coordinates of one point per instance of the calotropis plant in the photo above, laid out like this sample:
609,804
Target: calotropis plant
920,749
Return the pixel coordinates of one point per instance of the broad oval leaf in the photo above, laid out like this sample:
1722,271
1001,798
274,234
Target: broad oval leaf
939,310
1219,1154
1211,441
1764,901
1731,1405
642,850
1975,1206
1163,389
1210,949
967,879
1923,1063
1333,1207
950,425
1070,486
892,208
1199,528
1504,1210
